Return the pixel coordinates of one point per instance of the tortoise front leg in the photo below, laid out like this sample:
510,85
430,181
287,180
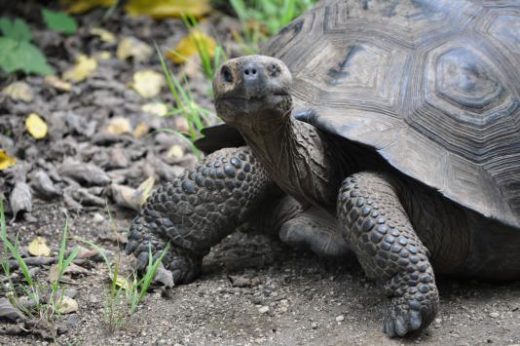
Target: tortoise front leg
379,231
196,211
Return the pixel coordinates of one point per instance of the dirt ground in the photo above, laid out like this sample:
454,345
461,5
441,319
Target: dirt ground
253,289
288,297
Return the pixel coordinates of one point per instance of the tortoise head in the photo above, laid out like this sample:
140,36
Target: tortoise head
251,90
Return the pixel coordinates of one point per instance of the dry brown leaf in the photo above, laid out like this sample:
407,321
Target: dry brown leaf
36,126
188,47
141,130
57,83
182,125
38,247
131,47
80,6
132,198
155,108
168,8
82,69
145,190
66,305
119,126
148,83
104,35
19,91
6,161
8,311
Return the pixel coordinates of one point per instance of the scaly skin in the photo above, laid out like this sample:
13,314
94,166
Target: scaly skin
378,230
196,211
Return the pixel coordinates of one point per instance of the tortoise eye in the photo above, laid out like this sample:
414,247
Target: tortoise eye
226,74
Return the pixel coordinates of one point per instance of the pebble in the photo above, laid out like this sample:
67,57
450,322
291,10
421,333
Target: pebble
263,309
494,315
98,218
314,325
437,322
340,318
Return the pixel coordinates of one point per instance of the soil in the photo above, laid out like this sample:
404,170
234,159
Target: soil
253,289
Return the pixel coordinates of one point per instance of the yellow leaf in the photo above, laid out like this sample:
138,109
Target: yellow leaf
104,35
6,161
103,55
141,129
145,190
83,68
57,83
19,91
36,126
175,152
38,247
118,126
148,83
66,305
168,8
80,6
123,283
189,44
155,108
131,47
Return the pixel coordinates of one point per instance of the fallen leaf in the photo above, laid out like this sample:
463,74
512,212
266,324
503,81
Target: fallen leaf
148,83
118,126
87,173
102,55
182,124
175,151
6,161
123,283
21,198
38,247
36,126
140,131
164,276
168,8
57,83
8,311
131,47
80,6
66,305
190,45
104,35
71,269
144,190
83,68
132,198
19,91
155,108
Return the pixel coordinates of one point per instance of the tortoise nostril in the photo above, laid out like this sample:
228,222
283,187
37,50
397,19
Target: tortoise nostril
250,71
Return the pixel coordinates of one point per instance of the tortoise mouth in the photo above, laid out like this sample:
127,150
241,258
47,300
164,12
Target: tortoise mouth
253,98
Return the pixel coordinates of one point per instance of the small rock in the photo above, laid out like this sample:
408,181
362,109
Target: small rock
98,218
314,325
263,309
340,318
437,323
494,315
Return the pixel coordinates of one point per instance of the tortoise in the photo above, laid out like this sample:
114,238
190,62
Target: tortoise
386,128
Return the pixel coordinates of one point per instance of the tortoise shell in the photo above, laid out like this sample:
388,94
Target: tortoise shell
432,85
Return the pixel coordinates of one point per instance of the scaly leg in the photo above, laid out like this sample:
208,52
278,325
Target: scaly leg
379,231
196,211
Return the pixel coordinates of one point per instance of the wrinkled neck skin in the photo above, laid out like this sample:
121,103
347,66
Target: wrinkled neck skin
296,156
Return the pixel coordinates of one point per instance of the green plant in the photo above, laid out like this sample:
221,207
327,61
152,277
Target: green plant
185,105
264,18
17,53
62,264
124,296
210,60
59,21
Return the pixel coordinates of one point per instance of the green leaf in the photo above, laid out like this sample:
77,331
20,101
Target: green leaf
59,21
22,56
17,30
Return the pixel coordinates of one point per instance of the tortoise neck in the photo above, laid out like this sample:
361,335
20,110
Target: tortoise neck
295,155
